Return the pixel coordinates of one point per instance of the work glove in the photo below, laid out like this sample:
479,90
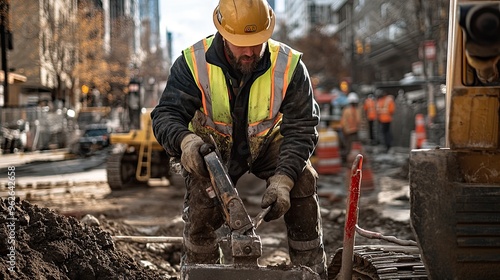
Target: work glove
191,158
277,195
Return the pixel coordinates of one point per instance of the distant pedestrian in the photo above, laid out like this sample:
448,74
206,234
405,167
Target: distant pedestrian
350,123
385,109
338,105
370,110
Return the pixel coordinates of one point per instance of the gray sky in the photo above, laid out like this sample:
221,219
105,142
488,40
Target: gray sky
188,20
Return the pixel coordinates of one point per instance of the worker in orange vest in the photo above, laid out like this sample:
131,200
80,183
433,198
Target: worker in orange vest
385,109
370,109
350,123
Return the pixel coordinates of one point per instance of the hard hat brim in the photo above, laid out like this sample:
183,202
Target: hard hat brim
246,40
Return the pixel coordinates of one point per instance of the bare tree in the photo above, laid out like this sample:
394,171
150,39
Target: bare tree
25,58
59,48
105,72
119,59
323,57
153,65
395,26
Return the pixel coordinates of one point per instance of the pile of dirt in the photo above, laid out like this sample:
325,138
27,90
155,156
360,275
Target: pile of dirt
59,247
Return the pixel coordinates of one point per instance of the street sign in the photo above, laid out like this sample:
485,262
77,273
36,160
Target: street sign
430,50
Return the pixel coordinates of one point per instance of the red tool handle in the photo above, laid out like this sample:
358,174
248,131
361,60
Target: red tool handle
351,218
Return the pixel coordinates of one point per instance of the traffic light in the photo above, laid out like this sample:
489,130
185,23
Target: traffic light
359,47
85,89
344,86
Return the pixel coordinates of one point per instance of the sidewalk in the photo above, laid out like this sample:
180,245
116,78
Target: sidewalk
63,179
23,158
97,176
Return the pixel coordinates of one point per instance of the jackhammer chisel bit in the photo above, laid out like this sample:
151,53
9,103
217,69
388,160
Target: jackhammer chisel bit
245,244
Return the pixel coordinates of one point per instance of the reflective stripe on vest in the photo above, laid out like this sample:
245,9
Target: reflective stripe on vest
269,87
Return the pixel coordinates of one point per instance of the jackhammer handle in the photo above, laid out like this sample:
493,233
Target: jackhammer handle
206,149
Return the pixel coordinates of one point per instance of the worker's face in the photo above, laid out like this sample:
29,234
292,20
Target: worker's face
244,59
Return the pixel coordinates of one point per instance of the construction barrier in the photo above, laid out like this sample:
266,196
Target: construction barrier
420,134
367,181
328,160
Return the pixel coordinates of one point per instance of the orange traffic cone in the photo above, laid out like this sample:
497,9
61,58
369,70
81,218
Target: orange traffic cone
420,134
367,182
328,160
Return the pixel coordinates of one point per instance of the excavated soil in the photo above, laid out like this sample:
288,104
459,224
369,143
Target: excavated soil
53,246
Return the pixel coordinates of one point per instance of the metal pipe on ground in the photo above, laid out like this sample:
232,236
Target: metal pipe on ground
148,239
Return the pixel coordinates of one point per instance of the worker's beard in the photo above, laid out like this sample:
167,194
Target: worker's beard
244,68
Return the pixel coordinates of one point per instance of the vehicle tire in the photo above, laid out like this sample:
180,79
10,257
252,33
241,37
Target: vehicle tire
120,170
381,262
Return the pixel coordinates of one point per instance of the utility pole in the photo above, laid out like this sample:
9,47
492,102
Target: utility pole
4,32
429,50
350,14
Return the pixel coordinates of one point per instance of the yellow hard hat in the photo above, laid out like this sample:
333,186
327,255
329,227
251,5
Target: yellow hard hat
244,22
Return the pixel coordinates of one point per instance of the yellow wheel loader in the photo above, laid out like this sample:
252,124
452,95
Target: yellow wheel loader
137,157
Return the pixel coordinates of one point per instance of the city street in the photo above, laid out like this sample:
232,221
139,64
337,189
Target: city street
93,94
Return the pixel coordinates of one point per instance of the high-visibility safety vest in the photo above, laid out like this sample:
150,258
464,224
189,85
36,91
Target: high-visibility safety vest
369,107
385,108
266,95
349,120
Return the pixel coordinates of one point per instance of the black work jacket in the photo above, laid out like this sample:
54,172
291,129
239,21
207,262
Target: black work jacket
182,97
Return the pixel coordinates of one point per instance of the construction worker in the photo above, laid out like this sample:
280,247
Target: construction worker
370,110
253,95
338,104
385,109
350,123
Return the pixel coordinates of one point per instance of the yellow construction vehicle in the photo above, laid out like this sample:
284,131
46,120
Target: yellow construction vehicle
455,191
136,157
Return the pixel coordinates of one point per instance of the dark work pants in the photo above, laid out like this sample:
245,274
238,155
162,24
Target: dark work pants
371,132
386,134
303,221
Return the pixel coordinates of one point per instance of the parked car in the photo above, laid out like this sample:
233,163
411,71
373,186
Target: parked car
13,138
95,137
